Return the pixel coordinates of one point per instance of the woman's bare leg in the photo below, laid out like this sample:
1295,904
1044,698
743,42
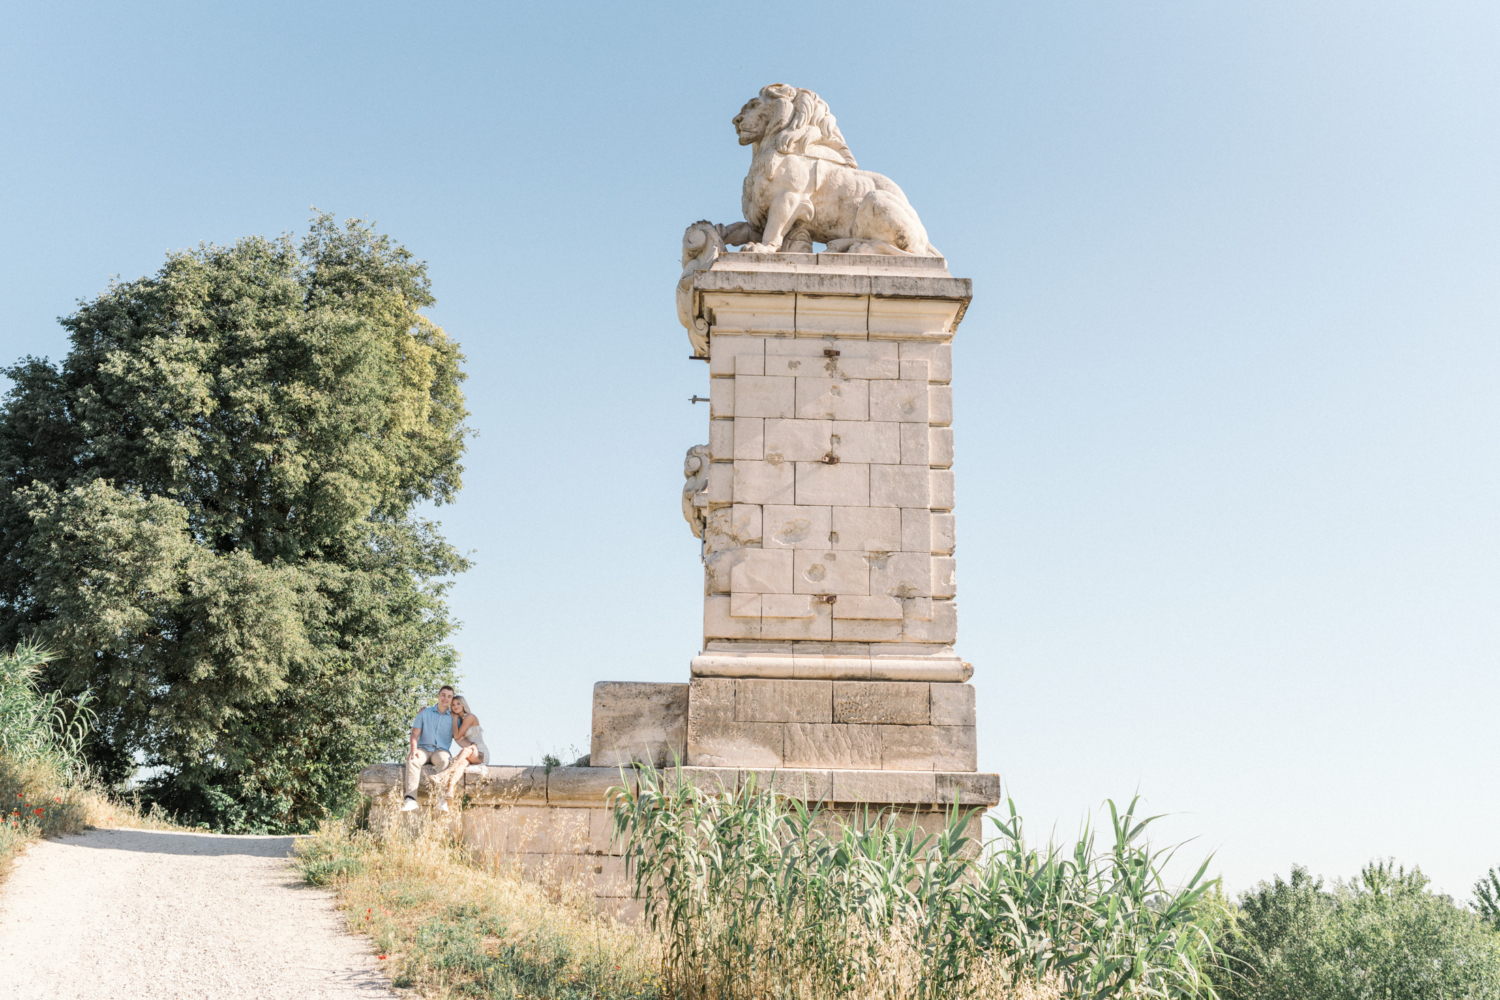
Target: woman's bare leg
455,771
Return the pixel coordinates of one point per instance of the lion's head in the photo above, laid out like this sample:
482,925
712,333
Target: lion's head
796,118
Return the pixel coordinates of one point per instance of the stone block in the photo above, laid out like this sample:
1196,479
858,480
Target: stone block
865,529
833,746
711,699
865,441
789,526
916,530
763,396
842,485
941,628
744,606
734,744
914,370
720,488
952,704
745,523
928,748
941,489
867,630
500,785
899,574
868,368
939,358
900,400
876,702
638,721
718,623
749,364
902,318
916,444
911,661
874,608
837,315
940,447
944,540
885,787
836,349
818,628
783,701
584,785
787,606
721,440
724,348
900,486
798,440
940,405
830,572
808,785
969,789
764,482
749,439
833,399
775,660
762,313
944,578
720,398
916,609
762,571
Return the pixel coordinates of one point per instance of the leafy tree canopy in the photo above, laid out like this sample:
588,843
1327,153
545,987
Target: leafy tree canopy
208,515
1383,936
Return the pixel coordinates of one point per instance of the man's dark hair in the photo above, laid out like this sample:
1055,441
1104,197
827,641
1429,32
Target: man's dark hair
446,687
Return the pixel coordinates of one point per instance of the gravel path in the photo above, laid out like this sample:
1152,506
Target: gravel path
132,914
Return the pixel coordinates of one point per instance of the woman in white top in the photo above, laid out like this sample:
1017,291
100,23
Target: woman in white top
471,748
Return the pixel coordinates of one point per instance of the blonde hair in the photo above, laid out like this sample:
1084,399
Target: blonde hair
456,700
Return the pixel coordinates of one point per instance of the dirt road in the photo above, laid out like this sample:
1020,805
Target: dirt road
136,914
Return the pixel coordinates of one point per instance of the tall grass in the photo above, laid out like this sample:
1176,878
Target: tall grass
449,924
755,894
36,726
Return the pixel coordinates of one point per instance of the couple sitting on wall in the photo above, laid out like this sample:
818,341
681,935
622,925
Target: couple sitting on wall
435,729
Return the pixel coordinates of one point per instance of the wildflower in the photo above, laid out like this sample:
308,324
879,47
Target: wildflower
39,810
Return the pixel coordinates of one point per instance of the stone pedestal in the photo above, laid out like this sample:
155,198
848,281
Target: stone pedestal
827,517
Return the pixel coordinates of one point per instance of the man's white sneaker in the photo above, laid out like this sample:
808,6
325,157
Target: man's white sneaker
442,807
410,805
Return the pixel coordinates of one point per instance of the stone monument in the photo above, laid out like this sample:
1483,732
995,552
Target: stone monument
824,499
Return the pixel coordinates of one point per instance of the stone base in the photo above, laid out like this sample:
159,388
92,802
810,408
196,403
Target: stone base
843,725
558,824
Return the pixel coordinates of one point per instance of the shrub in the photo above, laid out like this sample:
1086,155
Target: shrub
36,726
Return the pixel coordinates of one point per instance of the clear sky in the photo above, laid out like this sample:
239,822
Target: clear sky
1226,399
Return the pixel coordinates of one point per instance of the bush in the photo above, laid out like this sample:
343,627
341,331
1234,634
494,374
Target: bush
1382,935
755,894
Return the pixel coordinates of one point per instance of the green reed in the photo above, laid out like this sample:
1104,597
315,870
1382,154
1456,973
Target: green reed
757,894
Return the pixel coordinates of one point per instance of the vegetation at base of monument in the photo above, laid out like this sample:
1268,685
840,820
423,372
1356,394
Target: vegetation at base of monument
448,925
207,512
45,789
1382,934
756,894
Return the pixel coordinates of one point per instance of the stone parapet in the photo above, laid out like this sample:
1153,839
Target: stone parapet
589,787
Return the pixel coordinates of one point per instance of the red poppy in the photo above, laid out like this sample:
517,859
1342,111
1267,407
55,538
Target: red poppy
381,957
39,812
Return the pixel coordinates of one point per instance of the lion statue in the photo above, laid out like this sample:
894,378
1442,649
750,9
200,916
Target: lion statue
804,186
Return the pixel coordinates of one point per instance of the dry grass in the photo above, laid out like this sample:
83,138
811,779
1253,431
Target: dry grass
450,925
36,801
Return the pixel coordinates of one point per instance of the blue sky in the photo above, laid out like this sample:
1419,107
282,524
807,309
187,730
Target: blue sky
1226,399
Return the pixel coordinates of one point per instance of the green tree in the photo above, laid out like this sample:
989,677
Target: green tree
208,513
1383,936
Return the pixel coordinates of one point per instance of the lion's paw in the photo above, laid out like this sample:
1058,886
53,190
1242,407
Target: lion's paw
758,248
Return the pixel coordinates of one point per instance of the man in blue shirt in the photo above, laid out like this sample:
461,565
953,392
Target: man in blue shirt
431,736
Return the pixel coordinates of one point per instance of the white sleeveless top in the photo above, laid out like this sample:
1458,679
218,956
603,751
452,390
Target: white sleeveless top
476,736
